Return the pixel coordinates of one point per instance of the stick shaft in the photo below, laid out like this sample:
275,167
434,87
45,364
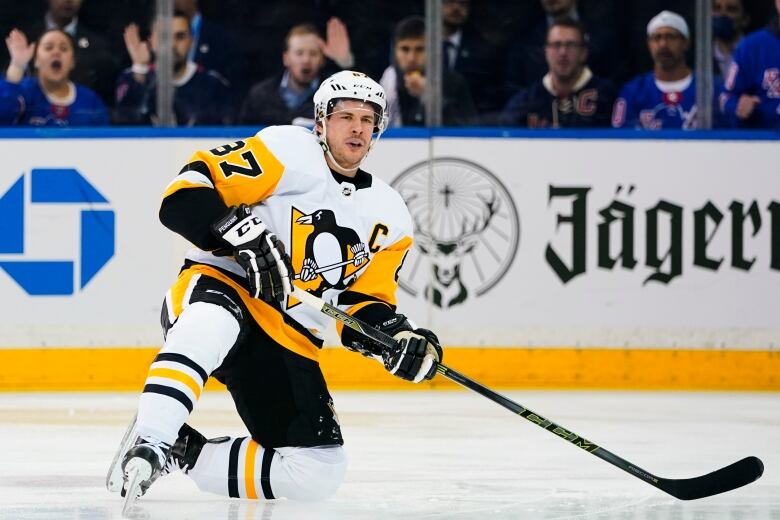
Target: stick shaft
546,424
725,479
469,383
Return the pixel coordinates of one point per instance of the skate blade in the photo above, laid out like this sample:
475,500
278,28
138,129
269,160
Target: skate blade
133,489
114,477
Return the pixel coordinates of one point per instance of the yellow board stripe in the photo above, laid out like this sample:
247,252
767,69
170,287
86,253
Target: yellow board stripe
176,375
114,369
249,469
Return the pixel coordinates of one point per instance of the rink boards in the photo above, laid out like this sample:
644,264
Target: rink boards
556,262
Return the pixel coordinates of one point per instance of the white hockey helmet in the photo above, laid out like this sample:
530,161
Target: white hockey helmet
349,84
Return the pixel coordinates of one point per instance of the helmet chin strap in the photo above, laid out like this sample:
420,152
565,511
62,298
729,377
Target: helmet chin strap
323,138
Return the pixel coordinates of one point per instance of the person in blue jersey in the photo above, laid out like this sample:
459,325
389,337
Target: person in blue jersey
569,95
201,97
752,96
666,97
50,98
729,21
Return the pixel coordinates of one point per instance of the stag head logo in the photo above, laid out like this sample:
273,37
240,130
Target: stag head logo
466,230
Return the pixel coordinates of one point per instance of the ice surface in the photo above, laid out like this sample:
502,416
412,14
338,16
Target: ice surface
419,455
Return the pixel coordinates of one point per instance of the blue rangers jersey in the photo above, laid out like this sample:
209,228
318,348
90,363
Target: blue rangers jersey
25,103
755,71
650,104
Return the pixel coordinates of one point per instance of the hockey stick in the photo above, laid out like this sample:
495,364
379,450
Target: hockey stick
724,479
332,266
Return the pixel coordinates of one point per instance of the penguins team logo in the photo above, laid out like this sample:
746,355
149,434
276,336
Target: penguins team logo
466,230
324,254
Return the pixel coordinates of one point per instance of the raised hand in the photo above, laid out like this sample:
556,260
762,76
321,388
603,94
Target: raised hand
20,50
336,45
137,48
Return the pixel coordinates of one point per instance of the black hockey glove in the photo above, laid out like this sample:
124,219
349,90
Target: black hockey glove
258,251
415,355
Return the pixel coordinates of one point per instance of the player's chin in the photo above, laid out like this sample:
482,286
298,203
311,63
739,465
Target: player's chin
354,156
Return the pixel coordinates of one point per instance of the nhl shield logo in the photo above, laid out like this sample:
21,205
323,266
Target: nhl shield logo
467,230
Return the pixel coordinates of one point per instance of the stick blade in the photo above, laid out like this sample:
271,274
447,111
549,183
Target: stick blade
736,475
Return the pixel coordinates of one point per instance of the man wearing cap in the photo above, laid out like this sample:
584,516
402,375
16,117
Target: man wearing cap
666,97
752,97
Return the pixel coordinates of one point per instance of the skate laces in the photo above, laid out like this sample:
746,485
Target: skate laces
159,447
174,464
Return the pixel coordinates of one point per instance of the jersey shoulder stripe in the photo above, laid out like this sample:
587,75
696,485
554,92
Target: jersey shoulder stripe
245,171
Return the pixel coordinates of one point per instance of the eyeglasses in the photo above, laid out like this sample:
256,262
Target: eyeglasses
568,46
668,37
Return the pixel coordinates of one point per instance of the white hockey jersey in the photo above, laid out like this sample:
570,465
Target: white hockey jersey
341,236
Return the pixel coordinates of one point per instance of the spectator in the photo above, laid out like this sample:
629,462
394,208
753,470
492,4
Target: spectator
370,22
405,83
200,97
51,99
287,97
666,97
640,12
729,21
607,46
469,54
95,67
569,95
212,46
752,97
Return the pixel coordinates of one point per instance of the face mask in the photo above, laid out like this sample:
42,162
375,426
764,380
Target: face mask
723,28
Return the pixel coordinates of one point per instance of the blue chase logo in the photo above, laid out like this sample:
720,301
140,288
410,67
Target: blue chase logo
54,277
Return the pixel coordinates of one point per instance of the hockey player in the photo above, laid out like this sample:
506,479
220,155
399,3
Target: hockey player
752,97
244,206
666,97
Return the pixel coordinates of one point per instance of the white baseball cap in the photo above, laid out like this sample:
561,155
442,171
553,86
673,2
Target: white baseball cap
668,19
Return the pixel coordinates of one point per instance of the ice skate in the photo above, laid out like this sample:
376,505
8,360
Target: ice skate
141,466
114,478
